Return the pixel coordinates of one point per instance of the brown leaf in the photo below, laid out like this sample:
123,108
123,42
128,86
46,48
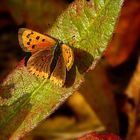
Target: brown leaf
132,110
126,35
98,93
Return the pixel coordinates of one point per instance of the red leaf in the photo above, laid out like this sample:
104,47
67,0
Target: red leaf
95,136
126,35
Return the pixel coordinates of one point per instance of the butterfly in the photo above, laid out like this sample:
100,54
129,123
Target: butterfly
50,58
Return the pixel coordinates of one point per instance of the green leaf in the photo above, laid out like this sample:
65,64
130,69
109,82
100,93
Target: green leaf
26,100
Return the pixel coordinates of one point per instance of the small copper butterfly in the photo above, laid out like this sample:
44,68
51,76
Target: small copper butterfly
50,58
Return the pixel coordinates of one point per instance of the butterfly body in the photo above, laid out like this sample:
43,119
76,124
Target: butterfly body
50,58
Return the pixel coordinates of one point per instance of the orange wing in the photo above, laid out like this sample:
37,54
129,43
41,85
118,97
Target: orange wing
31,41
68,56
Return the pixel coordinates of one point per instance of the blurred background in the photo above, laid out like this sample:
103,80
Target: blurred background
109,99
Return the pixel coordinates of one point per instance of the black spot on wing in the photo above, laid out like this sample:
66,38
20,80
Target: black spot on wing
37,37
33,46
43,40
28,36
